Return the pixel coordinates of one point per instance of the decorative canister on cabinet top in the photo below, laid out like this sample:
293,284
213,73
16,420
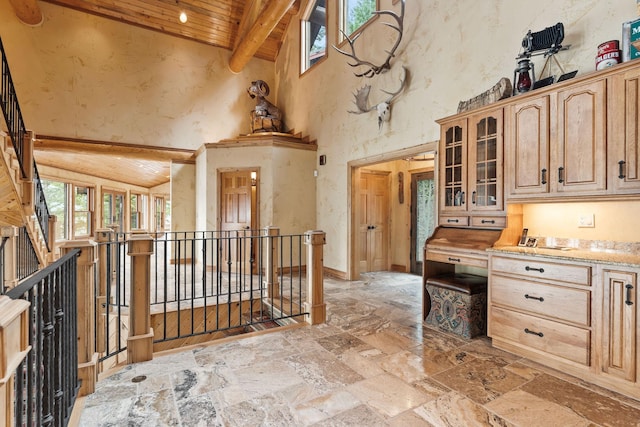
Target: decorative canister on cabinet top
608,54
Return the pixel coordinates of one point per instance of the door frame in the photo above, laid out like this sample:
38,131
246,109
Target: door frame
353,177
413,263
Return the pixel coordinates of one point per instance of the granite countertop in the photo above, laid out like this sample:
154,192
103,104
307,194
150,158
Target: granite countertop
616,253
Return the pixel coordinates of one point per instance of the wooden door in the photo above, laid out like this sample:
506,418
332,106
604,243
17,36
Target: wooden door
580,166
624,132
235,219
373,222
485,162
423,216
619,324
527,148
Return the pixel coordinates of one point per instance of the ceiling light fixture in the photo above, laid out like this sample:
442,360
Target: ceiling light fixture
183,17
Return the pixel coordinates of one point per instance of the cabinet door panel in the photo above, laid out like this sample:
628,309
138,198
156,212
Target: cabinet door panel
619,324
527,148
581,140
485,162
624,132
453,167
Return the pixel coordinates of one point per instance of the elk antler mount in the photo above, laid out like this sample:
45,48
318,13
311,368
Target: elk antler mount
374,69
384,107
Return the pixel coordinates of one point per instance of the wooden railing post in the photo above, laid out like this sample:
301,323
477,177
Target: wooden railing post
271,285
26,184
140,341
103,236
315,306
85,295
14,346
10,265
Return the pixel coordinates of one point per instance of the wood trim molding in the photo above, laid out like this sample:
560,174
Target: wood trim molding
336,274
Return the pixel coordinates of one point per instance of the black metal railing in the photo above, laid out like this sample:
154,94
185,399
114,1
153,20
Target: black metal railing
26,258
12,113
207,282
46,382
40,206
17,131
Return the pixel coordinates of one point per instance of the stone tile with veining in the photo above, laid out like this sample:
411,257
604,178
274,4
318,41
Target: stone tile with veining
455,410
387,394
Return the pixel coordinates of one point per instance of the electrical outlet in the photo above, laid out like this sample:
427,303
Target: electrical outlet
586,221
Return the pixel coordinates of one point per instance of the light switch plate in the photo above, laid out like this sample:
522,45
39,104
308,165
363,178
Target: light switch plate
586,221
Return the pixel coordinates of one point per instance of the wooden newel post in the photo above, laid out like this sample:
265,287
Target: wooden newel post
140,341
14,346
85,295
10,270
271,285
315,306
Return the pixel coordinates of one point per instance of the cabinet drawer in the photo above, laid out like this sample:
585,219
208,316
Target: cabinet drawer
568,342
567,304
489,221
454,221
479,260
537,269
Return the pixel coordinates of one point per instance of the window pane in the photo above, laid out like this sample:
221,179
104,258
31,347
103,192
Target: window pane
81,202
358,12
81,224
314,35
56,195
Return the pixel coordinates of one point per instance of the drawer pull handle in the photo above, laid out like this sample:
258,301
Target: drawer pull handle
527,296
454,259
544,176
629,289
488,221
541,270
621,174
561,174
453,220
528,331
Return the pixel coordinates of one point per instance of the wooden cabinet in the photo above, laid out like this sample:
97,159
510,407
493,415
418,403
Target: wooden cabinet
623,132
620,323
577,316
542,308
557,144
471,171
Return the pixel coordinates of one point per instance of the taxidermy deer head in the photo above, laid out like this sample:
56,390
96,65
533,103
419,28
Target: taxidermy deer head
386,65
384,107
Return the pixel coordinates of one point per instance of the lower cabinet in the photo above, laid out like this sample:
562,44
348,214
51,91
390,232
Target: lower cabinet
620,323
573,315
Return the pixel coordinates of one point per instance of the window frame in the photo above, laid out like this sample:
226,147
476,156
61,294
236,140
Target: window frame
141,212
342,23
89,212
305,64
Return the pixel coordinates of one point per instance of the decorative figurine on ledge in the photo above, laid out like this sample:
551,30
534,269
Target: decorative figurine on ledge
266,117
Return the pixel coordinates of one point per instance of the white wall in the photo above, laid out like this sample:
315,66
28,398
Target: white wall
454,50
83,76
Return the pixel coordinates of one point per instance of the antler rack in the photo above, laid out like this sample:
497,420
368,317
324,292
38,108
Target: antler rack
386,65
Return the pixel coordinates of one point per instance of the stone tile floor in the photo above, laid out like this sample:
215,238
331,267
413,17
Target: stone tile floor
372,364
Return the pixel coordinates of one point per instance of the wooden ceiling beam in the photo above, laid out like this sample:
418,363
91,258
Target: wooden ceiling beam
258,33
57,144
28,11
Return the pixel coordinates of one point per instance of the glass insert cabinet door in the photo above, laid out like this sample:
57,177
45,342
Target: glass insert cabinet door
454,169
485,162
485,193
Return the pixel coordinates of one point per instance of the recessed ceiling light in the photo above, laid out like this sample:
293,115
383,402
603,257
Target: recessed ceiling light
183,17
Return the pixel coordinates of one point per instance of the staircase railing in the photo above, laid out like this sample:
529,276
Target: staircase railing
17,132
12,113
46,382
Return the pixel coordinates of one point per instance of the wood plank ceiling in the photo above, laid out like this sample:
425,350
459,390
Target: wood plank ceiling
249,28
